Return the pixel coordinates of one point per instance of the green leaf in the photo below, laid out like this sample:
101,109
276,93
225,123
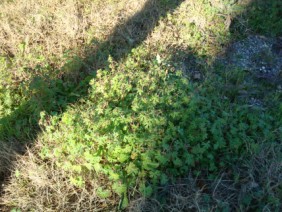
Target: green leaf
132,168
119,188
147,191
103,193
164,179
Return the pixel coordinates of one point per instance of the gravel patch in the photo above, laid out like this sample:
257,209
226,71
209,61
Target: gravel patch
258,54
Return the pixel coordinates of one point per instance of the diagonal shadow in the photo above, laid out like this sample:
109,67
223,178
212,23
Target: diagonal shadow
54,96
21,127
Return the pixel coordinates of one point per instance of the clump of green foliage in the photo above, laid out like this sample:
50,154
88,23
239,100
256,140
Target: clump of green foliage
22,100
265,17
6,98
261,17
144,124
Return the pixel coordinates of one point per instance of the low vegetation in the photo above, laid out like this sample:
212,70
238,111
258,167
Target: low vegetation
125,105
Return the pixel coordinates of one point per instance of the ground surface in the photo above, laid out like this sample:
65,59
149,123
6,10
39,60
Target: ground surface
94,115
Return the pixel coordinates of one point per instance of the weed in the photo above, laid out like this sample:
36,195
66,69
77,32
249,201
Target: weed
130,133
144,124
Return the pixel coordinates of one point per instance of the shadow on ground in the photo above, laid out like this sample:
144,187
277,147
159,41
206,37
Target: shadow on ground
22,126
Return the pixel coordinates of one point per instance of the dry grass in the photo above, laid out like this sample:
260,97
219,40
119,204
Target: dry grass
36,32
57,26
40,32
48,33
36,185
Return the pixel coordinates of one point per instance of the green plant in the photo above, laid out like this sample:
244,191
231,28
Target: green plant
262,17
265,17
144,124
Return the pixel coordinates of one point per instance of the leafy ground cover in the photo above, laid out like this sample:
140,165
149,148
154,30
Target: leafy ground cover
124,105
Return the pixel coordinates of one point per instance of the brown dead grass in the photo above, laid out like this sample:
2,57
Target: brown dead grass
34,32
40,32
37,185
48,33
